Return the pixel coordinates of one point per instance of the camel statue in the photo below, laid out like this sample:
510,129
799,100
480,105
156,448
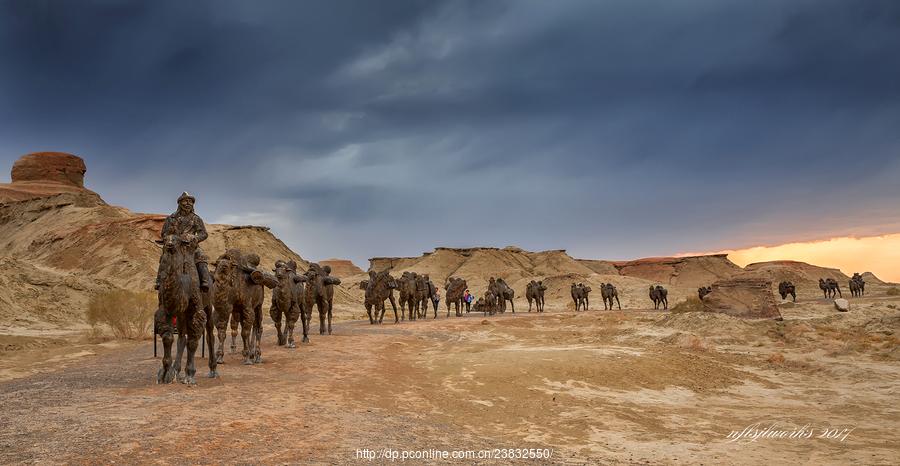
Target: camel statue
453,295
287,303
423,295
703,291
487,304
239,296
857,285
534,291
408,298
369,300
830,287
608,292
506,293
179,300
379,288
580,296
319,291
659,296
786,288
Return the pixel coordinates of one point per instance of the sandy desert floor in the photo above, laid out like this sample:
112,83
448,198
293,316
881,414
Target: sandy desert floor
596,387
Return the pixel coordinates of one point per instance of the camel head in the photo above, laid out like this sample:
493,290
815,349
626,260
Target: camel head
363,284
170,242
223,268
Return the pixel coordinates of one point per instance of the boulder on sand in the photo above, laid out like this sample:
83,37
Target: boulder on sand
748,298
842,305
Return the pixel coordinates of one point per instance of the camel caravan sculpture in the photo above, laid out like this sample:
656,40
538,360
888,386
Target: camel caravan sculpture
192,301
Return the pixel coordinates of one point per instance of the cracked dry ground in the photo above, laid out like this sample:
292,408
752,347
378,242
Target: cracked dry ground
596,387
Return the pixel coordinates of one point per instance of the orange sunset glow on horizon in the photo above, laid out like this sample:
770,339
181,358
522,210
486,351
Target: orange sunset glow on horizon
877,254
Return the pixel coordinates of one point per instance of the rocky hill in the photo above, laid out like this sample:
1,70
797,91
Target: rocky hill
682,275
342,267
60,243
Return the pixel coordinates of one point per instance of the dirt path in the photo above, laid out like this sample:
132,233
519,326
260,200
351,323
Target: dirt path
595,387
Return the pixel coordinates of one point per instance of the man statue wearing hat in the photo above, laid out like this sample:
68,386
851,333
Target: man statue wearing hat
188,226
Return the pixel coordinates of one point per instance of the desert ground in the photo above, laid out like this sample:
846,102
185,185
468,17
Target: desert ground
595,387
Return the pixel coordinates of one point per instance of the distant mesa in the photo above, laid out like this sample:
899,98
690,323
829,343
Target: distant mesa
341,267
44,174
49,167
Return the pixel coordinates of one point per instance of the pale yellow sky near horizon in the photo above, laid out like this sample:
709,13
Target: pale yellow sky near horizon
877,254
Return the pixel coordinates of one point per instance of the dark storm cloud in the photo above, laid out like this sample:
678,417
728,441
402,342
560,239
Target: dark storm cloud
356,128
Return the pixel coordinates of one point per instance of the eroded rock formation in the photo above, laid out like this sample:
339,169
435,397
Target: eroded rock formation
745,297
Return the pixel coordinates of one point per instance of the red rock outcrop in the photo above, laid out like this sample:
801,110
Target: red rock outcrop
691,271
341,267
43,174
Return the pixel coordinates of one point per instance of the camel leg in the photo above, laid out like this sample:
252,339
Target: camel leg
839,292
369,312
330,307
222,329
166,373
394,307
235,320
289,329
619,303
290,335
322,311
305,317
211,342
257,335
275,313
246,337
195,327
182,340
190,370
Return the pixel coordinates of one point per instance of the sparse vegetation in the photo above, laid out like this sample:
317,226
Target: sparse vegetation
776,359
692,304
128,315
893,291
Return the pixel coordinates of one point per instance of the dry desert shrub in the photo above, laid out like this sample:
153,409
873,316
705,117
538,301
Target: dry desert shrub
893,291
692,304
127,314
776,359
688,341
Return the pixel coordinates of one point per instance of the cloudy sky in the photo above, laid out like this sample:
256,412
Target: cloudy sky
613,129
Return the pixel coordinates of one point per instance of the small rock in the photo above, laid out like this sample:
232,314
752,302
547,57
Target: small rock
842,305
485,322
